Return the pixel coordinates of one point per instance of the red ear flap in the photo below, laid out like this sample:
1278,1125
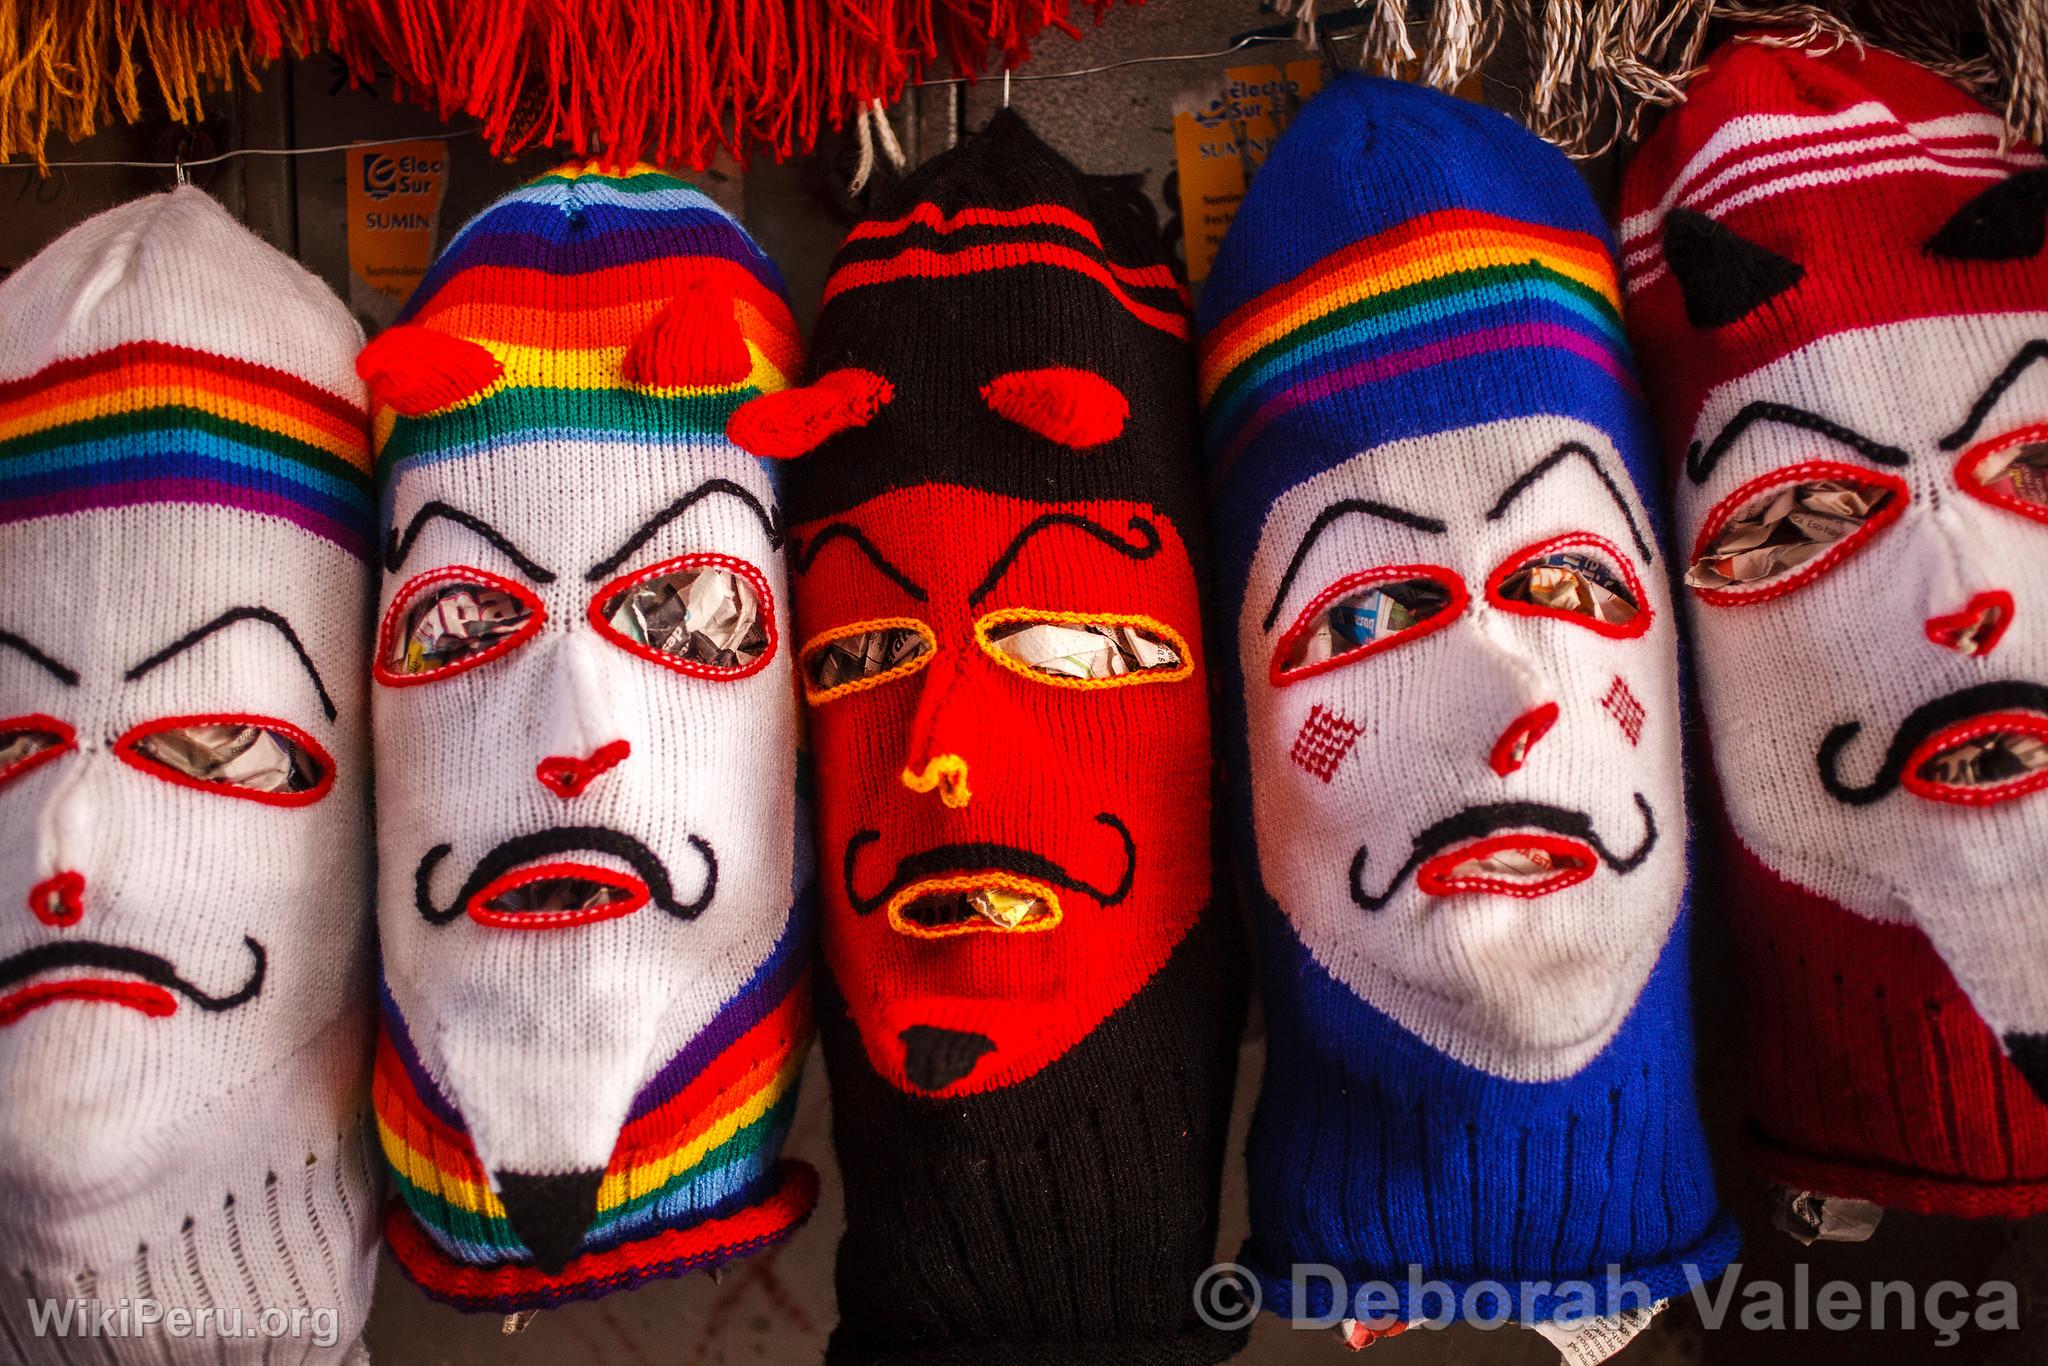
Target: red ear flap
694,342
417,370
793,422
1073,407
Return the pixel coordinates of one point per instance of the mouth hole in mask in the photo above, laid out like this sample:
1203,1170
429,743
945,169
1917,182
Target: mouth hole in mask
978,903
1517,865
1782,531
1983,761
553,896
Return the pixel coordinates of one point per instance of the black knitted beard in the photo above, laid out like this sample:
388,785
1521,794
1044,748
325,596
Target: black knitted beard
1060,1221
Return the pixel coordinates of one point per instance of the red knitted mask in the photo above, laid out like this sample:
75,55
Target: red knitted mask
968,781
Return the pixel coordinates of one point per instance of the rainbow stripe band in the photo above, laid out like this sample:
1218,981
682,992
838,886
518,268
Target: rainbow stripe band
1440,288
150,422
697,1152
556,279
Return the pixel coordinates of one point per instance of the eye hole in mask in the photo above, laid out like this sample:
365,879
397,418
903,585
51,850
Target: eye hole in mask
30,741
1578,577
865,654
448,620
258,758
1084,649
1364,613
2009,471
703,614
1780,532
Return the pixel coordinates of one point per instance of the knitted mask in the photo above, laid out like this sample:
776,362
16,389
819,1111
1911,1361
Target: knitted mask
596,1005
995,569
1836,273
1457,762
184,780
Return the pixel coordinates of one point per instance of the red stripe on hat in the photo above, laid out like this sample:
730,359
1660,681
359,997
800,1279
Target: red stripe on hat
1030,215
922,263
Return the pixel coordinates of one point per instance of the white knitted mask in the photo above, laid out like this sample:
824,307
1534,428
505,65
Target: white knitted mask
184,965
541,1028
1860,641
1354,760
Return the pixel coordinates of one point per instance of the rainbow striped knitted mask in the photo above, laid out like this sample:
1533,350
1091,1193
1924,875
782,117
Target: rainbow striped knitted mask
1457,768
592,894
184,774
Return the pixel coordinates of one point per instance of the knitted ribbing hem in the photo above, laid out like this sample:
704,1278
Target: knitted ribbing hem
1915,1191
672,1252
1703,1262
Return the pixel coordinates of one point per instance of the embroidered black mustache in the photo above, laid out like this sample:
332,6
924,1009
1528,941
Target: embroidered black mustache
84,953
562,840
1476,822
981,857
1920,723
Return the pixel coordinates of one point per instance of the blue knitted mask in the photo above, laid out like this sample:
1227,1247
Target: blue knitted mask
1457,742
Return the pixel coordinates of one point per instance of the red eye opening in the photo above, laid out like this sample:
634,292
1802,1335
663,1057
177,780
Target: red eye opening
2009,471
255,758
1782,530
451,619
1577,577
1364,613
703,614
31,741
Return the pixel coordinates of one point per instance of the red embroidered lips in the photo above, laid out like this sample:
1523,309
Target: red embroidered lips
1012,751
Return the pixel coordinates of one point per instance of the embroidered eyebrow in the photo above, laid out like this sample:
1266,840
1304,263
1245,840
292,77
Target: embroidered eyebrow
1986,401
397,547
1700,462
230,618
1345,507
62,673
1146,547
801,555
771,523
1550,462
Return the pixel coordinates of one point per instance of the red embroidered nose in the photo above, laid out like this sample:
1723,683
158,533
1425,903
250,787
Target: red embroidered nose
567,776
1511,750
1977,629
59,901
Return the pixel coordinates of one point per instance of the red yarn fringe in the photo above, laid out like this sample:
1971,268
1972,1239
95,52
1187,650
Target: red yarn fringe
667,81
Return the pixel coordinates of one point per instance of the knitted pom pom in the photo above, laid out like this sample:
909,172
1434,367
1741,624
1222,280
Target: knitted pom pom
1073,407
695,342
417,370
794,422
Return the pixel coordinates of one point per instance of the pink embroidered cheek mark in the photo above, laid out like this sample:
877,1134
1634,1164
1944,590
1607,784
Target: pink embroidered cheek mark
1323,741
1627,712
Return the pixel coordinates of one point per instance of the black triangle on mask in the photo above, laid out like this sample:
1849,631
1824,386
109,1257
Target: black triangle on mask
1723,275
2005,223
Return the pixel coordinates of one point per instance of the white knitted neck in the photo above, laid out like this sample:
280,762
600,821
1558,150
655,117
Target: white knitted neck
285,1220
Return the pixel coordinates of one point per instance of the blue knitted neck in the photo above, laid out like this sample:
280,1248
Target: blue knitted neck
1371,1151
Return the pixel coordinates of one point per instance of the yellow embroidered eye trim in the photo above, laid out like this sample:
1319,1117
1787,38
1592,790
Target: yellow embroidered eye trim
1082,649
864,654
